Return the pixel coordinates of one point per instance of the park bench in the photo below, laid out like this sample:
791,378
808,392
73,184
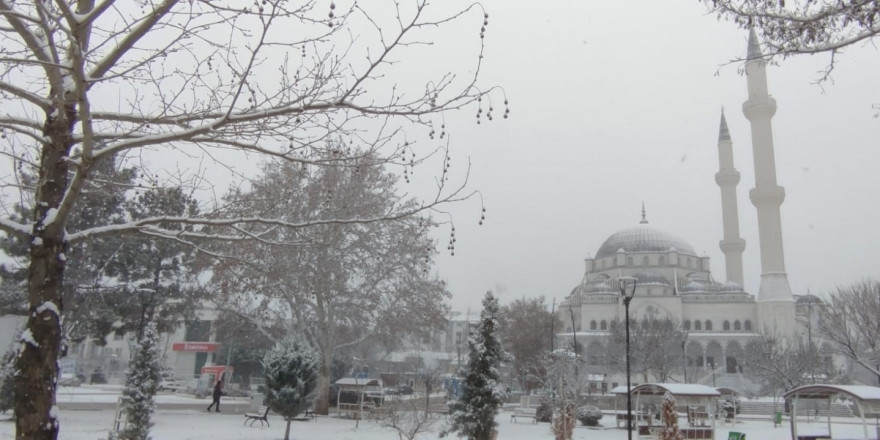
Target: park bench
522,415
261,415
696,433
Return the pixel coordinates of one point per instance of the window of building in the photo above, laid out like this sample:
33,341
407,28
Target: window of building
604,325
708,325
726,326
686,324
593,325
661,261
198,331
629,261
748,325
646,261
736,325
698,325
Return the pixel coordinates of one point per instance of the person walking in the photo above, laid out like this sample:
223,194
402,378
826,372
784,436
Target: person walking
218,391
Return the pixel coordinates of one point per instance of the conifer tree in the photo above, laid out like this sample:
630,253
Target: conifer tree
669,416
474,413
291,371
141,382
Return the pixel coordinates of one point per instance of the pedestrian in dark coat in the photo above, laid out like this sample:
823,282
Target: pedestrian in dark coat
218,391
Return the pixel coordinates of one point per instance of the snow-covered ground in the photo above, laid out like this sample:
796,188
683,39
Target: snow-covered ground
191,424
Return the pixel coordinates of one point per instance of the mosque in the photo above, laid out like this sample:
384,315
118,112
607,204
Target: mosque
719,318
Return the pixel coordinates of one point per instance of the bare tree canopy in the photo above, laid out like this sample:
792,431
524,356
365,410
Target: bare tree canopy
851,322
655,346
82,81
804,26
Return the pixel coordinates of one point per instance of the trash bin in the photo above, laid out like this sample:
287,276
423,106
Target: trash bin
777,419
736,436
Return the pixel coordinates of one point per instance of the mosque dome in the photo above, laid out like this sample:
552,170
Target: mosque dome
651,279
643,238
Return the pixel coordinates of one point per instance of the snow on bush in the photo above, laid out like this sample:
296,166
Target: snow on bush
141,383
291,378
589,415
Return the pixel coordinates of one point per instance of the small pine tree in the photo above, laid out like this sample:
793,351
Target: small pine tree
291,378
141,382
473,415
669,416
7,379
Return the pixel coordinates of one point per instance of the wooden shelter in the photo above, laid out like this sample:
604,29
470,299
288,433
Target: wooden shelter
698,400
865,398
364,388
728,399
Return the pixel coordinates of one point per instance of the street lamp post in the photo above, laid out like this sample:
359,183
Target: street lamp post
627,295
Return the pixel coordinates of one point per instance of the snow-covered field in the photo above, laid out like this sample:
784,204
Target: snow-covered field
198,425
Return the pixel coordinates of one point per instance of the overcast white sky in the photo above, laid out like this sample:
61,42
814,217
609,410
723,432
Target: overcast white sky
616,103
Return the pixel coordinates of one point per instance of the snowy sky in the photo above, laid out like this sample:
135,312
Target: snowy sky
615,103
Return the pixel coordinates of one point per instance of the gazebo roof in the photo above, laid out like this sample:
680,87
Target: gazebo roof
676,389
358,382
863,393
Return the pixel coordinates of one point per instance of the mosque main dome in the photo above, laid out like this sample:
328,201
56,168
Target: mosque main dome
643,238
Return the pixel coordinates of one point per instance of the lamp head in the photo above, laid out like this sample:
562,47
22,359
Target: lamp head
627,286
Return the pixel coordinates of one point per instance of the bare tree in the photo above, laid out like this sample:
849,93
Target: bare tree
527,333
654,346
335,284
81,81
804,26
851,322
781,364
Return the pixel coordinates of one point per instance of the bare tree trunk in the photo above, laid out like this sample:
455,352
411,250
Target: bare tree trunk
37,363
287,430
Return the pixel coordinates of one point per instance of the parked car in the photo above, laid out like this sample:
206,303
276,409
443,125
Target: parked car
98,377
405,390
173,386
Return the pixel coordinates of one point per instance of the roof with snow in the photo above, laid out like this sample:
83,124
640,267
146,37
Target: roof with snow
823,391
676,389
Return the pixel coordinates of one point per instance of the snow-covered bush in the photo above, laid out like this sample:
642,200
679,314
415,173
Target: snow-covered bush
589,415
291,373
544,412
141,384
474,412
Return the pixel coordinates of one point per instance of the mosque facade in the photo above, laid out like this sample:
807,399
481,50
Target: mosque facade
717,317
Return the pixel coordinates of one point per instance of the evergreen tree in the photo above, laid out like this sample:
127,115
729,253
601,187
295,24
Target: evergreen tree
669,415
291,378
474,413
141,382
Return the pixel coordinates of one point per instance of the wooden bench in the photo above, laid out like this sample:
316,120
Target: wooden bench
514,416
696,433
261,415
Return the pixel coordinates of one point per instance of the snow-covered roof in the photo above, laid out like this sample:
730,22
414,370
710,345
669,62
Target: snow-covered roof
643,238
815,391
358,382
677,389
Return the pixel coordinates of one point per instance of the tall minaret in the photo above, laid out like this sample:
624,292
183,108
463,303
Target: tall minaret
776,304
727,178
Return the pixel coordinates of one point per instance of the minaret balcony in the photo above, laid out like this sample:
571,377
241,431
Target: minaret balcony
773,195
759,108
727,177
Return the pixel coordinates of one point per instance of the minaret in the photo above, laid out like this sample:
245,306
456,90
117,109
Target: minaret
727,178
776,304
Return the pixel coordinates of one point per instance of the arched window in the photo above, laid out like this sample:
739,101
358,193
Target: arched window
748,325
646,261
603,325
593,325
686,324
698,325
736,325
661,261
629,261
708,325
726,326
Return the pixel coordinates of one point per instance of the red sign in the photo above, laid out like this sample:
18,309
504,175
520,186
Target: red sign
209,347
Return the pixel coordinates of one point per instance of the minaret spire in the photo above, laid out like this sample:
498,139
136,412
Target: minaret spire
776,308
644,217
727,179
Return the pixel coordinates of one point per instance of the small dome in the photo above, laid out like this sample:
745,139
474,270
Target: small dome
695,285
643,238
731,287
598,286
651,279
808,299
